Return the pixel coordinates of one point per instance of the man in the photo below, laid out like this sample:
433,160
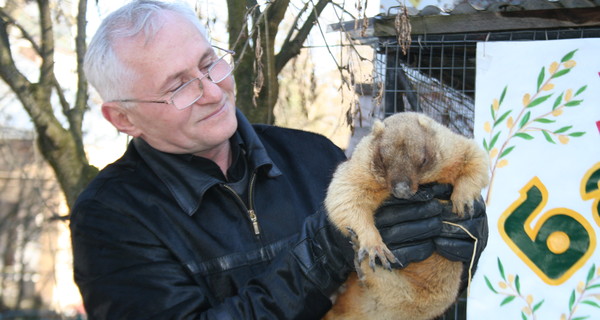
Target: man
206,216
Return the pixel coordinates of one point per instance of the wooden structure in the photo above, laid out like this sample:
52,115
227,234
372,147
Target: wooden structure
437,73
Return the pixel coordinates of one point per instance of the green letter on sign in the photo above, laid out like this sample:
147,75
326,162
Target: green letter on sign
557,245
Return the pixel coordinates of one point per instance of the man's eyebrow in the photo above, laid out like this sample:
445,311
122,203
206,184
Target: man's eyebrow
179,74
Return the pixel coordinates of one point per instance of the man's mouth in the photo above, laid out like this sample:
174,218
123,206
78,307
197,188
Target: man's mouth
215,113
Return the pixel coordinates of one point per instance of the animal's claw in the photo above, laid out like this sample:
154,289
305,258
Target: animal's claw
381,252
463,207
353,238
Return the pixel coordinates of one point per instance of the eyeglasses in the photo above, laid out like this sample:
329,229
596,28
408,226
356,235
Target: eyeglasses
190,92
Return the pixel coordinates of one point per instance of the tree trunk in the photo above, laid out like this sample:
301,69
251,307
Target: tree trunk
61,147
257,63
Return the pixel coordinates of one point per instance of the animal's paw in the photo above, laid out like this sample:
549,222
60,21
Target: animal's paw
462,207
379,251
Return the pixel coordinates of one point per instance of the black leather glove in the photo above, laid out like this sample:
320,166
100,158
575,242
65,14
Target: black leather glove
456,244
409,226
413,228
325,254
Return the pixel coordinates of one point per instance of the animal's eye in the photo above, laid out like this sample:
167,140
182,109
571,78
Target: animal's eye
423,162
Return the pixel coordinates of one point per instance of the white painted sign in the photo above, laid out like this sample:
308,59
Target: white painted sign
537,115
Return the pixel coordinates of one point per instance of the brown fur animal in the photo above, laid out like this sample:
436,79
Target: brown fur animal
402,152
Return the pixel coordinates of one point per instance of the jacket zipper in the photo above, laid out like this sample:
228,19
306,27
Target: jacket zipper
250,208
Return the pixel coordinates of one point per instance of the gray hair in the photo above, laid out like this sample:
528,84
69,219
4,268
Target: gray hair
103,68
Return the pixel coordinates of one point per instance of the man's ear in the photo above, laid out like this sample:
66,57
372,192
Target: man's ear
119,117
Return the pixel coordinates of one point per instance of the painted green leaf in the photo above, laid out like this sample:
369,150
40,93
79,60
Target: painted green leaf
492,111
538,101
506,152
581,90
540,78
573,103
591,303
594,286
563,129
576,134
581,318
489,284
503,94
507,300
523,316
568,56
544,120
494,140
525,119
502,117
571,300
523,135
561,73
558,101
518,284
538,305
590,274
548,137
485,145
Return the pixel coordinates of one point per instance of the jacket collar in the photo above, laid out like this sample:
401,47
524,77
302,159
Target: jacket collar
186,177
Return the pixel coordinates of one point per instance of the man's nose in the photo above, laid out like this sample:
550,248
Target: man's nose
212,92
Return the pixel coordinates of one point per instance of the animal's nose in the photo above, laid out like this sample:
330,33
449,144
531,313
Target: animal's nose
402,190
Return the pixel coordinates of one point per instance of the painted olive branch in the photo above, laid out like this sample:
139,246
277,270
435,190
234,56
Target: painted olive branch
519,126
513,284
592,282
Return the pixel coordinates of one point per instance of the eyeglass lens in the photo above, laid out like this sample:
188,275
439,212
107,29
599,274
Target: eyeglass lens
193,90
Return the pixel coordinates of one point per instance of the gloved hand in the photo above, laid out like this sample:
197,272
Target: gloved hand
413,228
409,226
456,244
325,255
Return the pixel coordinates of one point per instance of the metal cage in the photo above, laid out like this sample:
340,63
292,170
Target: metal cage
437,74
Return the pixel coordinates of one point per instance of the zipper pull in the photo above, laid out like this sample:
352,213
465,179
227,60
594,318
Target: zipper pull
254,220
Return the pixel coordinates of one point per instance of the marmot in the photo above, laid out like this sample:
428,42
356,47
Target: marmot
402,152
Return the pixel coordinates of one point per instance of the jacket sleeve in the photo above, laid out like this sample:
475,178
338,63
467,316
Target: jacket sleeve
125,272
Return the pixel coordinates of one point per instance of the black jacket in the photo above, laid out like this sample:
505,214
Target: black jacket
160,236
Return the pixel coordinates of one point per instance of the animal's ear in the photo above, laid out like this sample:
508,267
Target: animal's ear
424,121
377,129
377,163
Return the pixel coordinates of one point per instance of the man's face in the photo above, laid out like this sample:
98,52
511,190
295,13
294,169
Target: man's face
177,54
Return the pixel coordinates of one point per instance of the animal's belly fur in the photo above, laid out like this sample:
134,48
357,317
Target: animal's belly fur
421,291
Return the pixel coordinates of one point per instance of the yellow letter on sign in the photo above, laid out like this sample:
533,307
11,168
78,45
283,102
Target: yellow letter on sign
590,189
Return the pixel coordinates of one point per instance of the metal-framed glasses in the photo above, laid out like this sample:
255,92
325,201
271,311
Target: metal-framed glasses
190,92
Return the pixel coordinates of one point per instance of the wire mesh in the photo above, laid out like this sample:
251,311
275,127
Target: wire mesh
436,75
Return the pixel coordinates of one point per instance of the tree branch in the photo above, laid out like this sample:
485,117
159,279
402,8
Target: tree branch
47,48
292,48
295,23
10,21
75,115
8,70
275,13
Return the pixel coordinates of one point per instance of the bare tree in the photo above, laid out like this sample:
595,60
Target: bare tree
253,29
60,143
